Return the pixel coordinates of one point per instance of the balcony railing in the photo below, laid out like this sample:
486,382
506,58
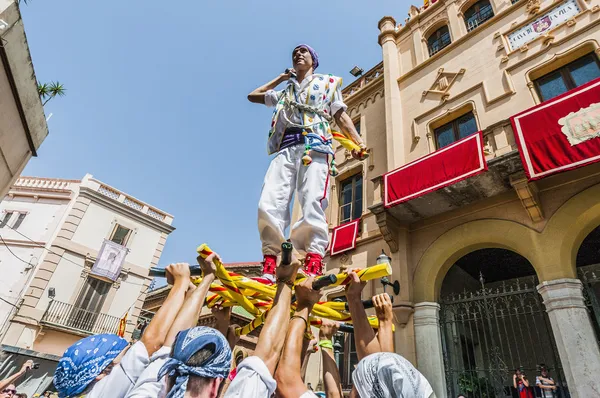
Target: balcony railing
80,320
439,44
479,17
357,85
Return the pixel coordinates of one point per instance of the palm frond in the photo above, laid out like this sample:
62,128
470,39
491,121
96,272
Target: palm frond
43,90
57,88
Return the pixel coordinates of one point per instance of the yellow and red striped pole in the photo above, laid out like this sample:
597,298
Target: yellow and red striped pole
204,251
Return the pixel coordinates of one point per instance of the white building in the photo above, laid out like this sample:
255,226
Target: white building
23,125
52,231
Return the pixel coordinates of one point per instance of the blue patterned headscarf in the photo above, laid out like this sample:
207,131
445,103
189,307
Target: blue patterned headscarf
313,54
189,342
85,360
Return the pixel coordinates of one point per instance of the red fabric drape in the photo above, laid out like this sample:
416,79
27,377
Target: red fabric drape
544,147
344,237
447,166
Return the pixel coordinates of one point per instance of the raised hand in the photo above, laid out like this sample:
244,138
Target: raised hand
178,273
383,307
355,287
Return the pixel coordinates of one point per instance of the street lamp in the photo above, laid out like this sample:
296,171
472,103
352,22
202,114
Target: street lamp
385,259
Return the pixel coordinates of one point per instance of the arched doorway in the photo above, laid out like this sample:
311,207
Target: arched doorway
588,271
493,321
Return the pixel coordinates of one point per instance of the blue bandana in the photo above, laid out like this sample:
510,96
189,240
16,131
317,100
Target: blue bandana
313,54
189,342
85,360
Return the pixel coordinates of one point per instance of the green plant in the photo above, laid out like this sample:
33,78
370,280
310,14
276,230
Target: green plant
47,91
475,387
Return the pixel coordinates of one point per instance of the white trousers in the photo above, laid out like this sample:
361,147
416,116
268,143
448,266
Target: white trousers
287,174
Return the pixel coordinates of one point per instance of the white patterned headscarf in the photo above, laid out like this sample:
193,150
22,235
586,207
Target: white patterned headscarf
389,375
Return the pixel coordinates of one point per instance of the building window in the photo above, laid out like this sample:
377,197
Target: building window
455,130
477,14
438,40
7,217
345,357
120,235
351,198
568,77
89,303
19,220
357,126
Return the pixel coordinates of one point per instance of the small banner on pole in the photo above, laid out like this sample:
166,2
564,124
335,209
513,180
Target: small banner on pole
110,260
122,325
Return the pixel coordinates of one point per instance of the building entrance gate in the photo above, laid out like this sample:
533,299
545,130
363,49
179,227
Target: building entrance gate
488,333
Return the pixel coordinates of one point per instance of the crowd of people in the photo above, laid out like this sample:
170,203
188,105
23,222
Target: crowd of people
174,358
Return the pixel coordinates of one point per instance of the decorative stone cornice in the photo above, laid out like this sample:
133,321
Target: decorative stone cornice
561,294
528,194
126,210
388,225
426,314
403,310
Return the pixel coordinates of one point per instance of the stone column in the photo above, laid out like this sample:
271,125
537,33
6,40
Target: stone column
428,339
393,106
574,335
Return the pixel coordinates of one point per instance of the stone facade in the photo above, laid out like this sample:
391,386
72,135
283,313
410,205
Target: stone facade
401,102
59,227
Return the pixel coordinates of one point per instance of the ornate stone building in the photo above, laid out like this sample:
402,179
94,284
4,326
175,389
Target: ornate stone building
482,187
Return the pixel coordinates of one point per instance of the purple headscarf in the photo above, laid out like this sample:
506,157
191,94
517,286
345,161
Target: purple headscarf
313,54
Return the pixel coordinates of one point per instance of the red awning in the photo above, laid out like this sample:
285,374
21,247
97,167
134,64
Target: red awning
344,237
560,134
447,166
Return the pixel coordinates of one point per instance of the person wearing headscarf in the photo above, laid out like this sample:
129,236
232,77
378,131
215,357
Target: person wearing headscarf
101,366
389,375
300,136
86,362
153,383
200,360
379,374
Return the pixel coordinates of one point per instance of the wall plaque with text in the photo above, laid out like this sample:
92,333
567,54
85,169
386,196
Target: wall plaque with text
539,26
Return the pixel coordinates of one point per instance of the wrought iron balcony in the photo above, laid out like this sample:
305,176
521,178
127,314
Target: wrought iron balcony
80,320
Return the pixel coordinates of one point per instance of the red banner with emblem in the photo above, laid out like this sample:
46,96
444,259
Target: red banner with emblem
344,237
560,134
447,166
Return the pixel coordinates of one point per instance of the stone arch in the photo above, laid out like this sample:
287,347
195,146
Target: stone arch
435,26
463,239
565,233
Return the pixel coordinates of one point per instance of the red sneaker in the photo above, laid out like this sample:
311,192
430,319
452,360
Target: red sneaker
269,266
313,264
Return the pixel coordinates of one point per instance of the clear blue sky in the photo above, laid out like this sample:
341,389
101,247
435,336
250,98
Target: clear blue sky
156,102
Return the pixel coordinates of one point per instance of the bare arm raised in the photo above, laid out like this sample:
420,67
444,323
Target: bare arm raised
257,96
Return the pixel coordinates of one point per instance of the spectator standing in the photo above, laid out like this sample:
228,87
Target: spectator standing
7,386
521,384
545,383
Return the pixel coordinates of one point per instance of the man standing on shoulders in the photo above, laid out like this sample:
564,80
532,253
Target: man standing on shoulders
301,138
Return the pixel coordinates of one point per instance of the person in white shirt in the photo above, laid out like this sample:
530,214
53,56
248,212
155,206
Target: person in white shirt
151,383
301,138
545,383
254,377
102,366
